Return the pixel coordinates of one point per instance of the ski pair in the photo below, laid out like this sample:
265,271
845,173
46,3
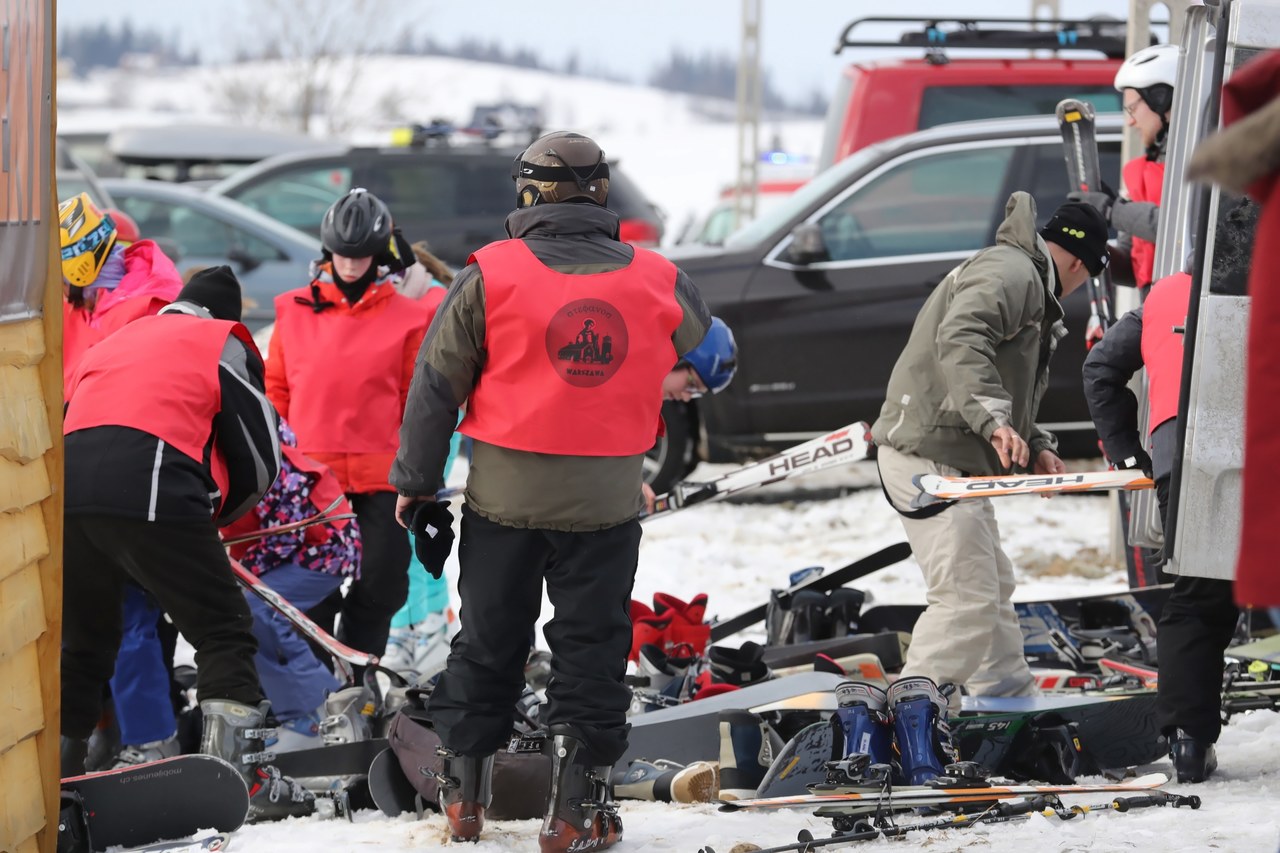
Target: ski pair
1002,812
839,447
1076,121
935,488
852,799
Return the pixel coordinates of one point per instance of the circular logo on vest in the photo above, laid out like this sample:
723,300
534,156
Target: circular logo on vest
587,342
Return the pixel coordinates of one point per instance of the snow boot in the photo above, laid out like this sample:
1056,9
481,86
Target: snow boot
798,618
647,628
740,667
234,732
580,815
688,626
73,753
746,751
660,668
844,609
466,790
864,720
1194,760
667,782
920,729
143,752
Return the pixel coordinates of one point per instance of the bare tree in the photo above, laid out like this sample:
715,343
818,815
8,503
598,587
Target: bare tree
318,45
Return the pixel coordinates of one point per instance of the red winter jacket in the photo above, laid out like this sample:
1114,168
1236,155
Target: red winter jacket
1252,89
340,376
150,282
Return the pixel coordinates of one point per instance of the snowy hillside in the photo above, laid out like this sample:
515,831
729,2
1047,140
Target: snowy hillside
664,141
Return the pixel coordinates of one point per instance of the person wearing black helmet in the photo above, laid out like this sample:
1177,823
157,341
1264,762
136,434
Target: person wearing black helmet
338,370
558,340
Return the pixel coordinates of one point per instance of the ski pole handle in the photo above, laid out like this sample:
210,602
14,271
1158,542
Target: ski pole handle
1142,801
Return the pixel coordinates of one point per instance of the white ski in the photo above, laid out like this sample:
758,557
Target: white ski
935,488
841,447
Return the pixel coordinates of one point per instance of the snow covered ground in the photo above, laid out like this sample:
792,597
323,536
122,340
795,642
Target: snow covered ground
735,553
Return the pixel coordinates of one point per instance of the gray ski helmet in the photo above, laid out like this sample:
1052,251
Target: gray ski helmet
561,166
358,225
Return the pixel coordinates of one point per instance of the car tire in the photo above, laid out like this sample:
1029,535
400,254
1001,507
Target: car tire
672,457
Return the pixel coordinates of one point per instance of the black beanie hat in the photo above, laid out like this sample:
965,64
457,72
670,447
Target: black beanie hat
1079,228
215,289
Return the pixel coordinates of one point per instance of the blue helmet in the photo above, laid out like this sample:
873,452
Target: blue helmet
715,360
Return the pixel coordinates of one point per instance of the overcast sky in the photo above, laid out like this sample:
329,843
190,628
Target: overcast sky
629,38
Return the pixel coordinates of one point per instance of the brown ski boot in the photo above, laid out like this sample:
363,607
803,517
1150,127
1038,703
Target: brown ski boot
466,785
580,815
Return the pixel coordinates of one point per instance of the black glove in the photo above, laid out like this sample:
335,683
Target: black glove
1140,460
432,529
1103,200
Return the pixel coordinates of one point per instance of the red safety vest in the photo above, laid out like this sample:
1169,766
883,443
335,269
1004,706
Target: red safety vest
575,362
1144,179
158,375
347,374
1164,308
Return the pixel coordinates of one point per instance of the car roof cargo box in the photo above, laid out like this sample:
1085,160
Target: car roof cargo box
1101,35
186,145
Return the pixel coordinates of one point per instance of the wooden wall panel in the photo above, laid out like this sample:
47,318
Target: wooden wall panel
23,540
20,697
23,814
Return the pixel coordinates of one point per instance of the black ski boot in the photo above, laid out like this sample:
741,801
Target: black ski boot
580,815
740,667
746,751
74,751
466,790
1194,760
234,732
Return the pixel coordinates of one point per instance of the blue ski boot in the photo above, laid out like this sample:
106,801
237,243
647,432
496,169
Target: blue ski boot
920,729
746,752
864,719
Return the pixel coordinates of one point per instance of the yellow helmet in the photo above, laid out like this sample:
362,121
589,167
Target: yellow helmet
87,237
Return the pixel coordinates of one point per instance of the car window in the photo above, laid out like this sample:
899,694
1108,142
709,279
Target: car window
946,104
298,197
943,202
442,189
1047,182
195,234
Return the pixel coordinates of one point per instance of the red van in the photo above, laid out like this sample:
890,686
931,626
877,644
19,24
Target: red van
881,99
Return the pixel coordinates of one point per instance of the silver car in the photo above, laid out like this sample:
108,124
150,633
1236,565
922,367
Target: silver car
199,230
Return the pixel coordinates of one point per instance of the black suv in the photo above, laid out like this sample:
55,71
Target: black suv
821,292
455,198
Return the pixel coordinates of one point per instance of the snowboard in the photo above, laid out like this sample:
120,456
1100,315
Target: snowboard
161,800
885,646
340,759
209,844
391,791
1111,729
691,732
1137,609
801,762
1266,650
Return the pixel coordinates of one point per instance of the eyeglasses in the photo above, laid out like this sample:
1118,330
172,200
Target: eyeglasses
693,383
1131,109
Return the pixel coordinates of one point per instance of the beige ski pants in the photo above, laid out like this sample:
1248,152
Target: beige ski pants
969,633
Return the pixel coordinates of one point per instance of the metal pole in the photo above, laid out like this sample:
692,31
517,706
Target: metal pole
750,94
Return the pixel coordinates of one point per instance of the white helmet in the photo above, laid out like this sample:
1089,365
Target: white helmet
1151,67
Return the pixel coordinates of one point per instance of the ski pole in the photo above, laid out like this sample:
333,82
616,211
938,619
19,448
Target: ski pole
319,518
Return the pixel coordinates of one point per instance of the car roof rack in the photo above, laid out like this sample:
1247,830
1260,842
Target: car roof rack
1103,35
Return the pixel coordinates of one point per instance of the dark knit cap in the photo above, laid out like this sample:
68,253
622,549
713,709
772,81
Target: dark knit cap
215,289
1079,228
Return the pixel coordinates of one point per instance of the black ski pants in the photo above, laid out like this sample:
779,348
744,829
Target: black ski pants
1196,625
383,585
185,567
589,577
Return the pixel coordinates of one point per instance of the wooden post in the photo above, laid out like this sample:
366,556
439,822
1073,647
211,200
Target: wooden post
30,434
